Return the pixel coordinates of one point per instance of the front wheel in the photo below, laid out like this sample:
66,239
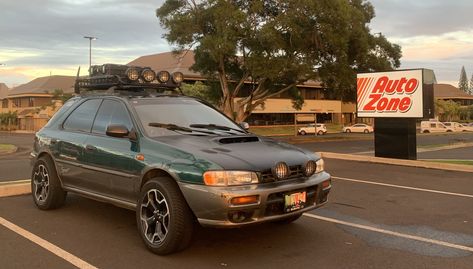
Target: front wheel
366,131
45,185
163,217
303,133
347,131
320,133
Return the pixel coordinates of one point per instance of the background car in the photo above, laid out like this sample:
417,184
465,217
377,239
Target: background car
434,127
310,129
457,127
358,128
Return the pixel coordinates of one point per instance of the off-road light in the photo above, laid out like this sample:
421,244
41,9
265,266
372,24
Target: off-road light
177,77
281,170
310,168
148,75
163,76
132,74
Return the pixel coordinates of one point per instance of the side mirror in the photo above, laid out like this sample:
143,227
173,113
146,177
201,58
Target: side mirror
245,125
116,130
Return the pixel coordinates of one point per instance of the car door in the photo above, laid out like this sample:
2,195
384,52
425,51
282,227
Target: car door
73,132
111,161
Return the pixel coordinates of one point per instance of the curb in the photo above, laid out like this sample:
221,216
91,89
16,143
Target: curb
400,162
14,188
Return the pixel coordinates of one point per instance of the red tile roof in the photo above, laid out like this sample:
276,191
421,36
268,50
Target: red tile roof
46,85
447,91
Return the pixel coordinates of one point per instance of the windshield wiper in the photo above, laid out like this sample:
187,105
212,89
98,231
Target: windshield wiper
174,127
215,127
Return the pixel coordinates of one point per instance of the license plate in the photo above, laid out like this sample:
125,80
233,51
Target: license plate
294,201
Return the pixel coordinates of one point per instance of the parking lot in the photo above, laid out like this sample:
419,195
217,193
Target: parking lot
378,216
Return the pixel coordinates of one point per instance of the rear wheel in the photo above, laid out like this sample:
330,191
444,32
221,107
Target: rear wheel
303,133
347,131
366,131
426,131
45,185
320,132
163,217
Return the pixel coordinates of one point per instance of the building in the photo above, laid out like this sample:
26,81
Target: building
275,111
33,102
448,92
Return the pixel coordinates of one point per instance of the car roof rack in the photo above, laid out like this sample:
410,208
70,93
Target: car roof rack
115,79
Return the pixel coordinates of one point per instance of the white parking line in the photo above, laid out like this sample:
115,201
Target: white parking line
404,187
378,230
74,260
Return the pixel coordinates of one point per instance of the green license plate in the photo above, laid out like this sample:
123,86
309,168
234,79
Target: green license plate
294,201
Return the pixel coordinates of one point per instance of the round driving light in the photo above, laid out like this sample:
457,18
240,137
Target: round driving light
132,74
163,76
281,171
310,168
177,77
148,75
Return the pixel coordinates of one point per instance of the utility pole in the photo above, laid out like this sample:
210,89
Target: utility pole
90,38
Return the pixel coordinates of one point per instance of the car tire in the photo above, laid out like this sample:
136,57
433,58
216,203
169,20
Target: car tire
287,220
162,209
46,187
366,131
449,131
347,131
320,132
303,133
426,131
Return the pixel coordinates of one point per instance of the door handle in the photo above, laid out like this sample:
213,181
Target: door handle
90,148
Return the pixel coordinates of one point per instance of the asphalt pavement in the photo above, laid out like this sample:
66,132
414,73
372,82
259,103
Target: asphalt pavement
419,218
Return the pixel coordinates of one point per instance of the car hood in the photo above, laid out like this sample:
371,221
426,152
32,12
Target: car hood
245,152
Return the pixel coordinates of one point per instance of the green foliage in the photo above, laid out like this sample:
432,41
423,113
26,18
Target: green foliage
277,44
449,110
471,85
8,118
203,91
463,82
59,94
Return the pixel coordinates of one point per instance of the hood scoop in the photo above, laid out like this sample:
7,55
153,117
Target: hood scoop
238,139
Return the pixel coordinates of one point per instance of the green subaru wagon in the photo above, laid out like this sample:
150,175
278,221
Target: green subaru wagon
174,160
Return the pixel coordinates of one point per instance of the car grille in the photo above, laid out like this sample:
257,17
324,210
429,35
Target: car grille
295,171
275,201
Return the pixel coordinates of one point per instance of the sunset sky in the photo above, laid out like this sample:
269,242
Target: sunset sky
45,37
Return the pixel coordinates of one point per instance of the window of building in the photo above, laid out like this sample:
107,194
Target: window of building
82,117
16,102
5,103
111,112
31,102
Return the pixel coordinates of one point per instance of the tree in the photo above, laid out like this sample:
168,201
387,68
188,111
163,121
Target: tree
471,85
274,45
463,83
202,91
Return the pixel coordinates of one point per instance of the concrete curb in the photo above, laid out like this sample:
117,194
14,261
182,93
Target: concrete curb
14,188
411,163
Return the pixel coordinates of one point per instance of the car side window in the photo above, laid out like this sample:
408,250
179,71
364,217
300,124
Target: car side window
82,117
433,125
111,112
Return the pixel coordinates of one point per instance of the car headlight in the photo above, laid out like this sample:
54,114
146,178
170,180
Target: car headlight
229,178
320,165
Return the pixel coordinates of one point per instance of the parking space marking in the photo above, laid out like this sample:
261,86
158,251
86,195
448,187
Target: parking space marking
404,187
74,260
392,233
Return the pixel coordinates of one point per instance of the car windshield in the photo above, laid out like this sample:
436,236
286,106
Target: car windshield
184,115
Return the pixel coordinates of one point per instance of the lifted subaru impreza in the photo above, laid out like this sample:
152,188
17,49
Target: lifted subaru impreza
129,139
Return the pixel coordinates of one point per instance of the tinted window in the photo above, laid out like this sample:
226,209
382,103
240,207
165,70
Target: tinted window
81,118
433,125
111,112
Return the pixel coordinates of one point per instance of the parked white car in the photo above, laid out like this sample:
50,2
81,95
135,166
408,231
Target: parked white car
358,128
434,127
457,127
310,129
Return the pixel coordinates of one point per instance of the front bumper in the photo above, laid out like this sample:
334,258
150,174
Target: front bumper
212,206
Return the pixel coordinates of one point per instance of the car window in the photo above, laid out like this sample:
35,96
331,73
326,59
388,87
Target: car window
447,124
111,112
82,117
433,125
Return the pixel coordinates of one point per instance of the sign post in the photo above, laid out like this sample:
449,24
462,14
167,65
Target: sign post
396,100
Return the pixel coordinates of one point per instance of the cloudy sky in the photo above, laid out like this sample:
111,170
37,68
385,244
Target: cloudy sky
42,37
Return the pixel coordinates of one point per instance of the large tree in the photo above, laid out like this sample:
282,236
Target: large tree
463,82
276,45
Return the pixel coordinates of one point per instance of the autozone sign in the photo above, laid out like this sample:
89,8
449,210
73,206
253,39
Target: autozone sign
395,94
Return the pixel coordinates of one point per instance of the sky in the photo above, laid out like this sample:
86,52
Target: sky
43,37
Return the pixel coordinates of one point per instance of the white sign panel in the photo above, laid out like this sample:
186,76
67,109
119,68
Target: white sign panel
395,94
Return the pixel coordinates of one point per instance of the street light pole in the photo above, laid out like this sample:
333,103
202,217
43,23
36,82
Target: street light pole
90,38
